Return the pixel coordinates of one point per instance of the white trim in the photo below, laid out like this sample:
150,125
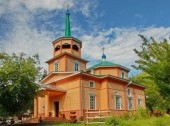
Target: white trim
63,78
76,63
60,72
117,94
139,100
123,75
129,102
94,85
92,94
127,93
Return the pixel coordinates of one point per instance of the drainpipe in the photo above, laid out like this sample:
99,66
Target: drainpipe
81,93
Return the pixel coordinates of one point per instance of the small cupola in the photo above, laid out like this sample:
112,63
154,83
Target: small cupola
103,56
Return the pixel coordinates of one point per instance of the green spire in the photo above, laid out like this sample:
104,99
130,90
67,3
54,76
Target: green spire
67,28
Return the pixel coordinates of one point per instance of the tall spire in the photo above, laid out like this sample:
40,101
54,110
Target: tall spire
67,27
103,56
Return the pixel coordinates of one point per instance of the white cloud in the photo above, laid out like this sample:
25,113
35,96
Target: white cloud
30,41
23,37
17,6
34,5
127,40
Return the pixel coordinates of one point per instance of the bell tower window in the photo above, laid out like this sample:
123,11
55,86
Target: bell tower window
66,46
57,48
75,47
56,66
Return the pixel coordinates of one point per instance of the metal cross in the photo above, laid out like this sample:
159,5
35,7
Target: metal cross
103,49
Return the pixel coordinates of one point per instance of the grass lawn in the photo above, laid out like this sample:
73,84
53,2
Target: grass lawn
153,121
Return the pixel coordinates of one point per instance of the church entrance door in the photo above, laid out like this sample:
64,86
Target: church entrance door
56,105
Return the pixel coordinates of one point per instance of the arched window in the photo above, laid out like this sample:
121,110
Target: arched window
75,47
129,93
66,46
57,48
56,66
118,101
130,103
129,99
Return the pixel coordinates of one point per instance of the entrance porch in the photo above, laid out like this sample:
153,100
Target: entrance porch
47,103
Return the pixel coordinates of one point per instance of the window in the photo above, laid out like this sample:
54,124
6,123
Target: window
56,66
91,84
66,46
139,102
75,47
118,102
129,103
57,48
93,71
123,75
76,66
92,101
129,93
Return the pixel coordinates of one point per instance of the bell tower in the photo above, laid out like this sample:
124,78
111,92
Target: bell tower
69,48
67,43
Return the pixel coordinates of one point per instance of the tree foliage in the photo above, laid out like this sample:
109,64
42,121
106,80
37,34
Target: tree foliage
154,99
154,59
18,77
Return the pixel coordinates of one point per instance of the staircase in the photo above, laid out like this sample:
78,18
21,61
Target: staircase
54,119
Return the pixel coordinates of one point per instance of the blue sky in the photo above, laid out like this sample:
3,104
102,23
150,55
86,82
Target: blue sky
31,25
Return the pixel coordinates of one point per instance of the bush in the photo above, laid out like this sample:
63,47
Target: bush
142,113
112,121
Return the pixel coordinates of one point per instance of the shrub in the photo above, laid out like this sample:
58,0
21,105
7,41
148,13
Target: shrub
112,121
142,113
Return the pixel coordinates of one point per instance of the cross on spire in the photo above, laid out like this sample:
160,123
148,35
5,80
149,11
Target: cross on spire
103,49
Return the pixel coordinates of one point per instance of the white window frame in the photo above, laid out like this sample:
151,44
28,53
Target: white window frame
93,84
130,107
76,66
139,101
123,75
120,100
92,71
56,64
93,95
129,92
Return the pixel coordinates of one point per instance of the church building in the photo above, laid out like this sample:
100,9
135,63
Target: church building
71,87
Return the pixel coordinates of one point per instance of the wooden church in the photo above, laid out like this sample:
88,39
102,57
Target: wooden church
71,87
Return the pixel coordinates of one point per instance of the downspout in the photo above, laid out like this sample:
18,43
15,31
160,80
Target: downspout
81,97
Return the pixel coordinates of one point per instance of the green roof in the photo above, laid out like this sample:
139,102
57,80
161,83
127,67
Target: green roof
67,29
104,64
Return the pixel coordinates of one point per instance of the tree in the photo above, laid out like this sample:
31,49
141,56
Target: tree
18,78
154,59
154,99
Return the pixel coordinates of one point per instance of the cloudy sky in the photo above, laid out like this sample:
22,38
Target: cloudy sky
31,25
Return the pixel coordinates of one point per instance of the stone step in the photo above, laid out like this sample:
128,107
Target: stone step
54,119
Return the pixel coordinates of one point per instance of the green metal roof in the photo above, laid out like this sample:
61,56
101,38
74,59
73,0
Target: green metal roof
67,27
104,64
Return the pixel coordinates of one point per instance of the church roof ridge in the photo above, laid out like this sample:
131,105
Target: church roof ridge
67,38
107,64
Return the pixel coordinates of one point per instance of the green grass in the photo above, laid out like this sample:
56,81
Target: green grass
151,121
154,121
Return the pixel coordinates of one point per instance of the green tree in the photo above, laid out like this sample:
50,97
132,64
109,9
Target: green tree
154,99
18,78
154,59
